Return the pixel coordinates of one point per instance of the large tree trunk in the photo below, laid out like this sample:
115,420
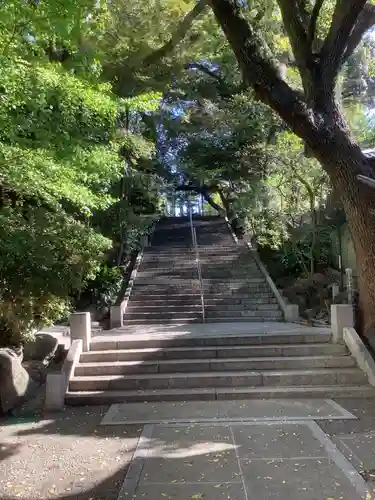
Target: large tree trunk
315,115
343,160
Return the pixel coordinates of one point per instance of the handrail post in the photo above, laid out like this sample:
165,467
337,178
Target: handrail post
197,261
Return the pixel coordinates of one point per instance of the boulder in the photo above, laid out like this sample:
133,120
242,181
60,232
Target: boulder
16,384
42,349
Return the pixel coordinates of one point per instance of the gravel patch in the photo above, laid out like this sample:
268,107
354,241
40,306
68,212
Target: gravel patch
64,455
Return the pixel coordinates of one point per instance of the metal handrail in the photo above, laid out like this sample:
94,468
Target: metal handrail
198,262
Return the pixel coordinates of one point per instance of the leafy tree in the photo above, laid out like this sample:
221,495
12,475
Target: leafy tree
62,156
322,35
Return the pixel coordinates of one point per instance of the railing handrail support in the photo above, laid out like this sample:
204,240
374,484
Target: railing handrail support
198,263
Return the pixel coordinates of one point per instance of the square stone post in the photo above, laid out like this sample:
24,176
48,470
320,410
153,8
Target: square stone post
80,329
335,290
116,316
291,313
342,316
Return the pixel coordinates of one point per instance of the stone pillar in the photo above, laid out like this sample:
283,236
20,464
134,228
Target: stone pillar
116,316
55,392
342,316
335,290
80,329
291,313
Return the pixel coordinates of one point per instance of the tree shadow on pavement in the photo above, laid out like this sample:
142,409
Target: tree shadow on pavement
65,456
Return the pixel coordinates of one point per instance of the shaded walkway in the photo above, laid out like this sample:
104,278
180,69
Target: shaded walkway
71,456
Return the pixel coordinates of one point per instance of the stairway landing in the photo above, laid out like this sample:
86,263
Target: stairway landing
192,330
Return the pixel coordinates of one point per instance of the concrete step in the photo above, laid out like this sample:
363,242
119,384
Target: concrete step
233,302
277,317
211,292
282,378
162,314
111,397
184,263
191,341
160,299
218,352
178,320
221,287
165,280
237,296
227,310
213,364
243,313
165,308
177,274
166,290
213,310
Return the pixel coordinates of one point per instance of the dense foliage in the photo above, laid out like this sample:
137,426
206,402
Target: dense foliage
62,155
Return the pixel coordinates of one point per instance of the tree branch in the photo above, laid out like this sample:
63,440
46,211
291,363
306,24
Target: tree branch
296,32
365,21
344,20
313,21
303,12
224,90
260,71
207,71
178,35
204,191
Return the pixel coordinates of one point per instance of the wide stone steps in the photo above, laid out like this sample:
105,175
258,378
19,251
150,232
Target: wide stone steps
179,320
175,339
202,394
161,355
152,301
281,378
188,288
213,365
207,282
169,307
161,298
196,313
160,314
216,352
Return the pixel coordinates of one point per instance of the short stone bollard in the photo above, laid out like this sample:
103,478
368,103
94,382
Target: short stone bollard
80,329
342,316
116,315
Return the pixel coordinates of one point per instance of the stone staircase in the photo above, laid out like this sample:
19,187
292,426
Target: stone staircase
167,288
222,365
245,350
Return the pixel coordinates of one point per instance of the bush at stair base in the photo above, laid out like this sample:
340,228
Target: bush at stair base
16,384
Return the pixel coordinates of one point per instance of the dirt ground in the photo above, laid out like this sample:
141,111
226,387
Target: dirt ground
64,455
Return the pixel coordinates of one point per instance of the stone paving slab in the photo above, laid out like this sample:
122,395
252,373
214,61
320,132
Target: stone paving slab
312,479
280,460
193,411
359,448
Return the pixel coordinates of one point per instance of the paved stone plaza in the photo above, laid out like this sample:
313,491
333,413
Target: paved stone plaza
238,450
273,460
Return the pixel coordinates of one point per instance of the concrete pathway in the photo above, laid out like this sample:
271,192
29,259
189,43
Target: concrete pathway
283,460
239,450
